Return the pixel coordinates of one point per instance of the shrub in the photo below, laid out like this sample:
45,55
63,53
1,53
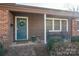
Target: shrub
52,40
2,50
75,39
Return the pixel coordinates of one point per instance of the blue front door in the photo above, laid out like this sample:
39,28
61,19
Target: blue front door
21,28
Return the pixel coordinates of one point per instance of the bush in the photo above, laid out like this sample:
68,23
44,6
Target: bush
52,40
2,50
75,39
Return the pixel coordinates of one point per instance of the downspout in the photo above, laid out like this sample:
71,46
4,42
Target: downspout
71,30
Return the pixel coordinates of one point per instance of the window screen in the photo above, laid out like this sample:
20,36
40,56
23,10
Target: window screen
56,24
64,25
49,24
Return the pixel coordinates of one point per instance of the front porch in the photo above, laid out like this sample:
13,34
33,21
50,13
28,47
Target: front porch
35,26
41,26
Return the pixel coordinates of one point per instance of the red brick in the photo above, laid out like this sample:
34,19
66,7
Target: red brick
74,28
4,26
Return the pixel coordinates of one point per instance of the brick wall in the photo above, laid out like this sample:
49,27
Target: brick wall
74,28
5,17
4,26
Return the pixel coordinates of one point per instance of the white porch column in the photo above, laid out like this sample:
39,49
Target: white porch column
45,29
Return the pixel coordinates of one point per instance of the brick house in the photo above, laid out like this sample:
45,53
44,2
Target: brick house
21,22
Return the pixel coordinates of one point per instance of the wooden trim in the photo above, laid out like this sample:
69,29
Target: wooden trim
53,24
60,25
67,25
45,34
15,27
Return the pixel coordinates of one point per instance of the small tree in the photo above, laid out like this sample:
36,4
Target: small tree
71,7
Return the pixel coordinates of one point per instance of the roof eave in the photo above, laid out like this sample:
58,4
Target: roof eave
32,9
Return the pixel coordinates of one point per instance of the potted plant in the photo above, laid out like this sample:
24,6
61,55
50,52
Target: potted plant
33,38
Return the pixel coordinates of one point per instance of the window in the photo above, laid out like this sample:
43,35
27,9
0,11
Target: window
77,25
49,24
64,26
56,24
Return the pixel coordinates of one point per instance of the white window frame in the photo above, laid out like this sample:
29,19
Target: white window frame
16,26
77,25
53,30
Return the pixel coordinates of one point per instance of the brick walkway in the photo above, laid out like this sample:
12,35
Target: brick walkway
27,50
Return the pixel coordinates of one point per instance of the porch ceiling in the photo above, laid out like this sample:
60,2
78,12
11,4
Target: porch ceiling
31,9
